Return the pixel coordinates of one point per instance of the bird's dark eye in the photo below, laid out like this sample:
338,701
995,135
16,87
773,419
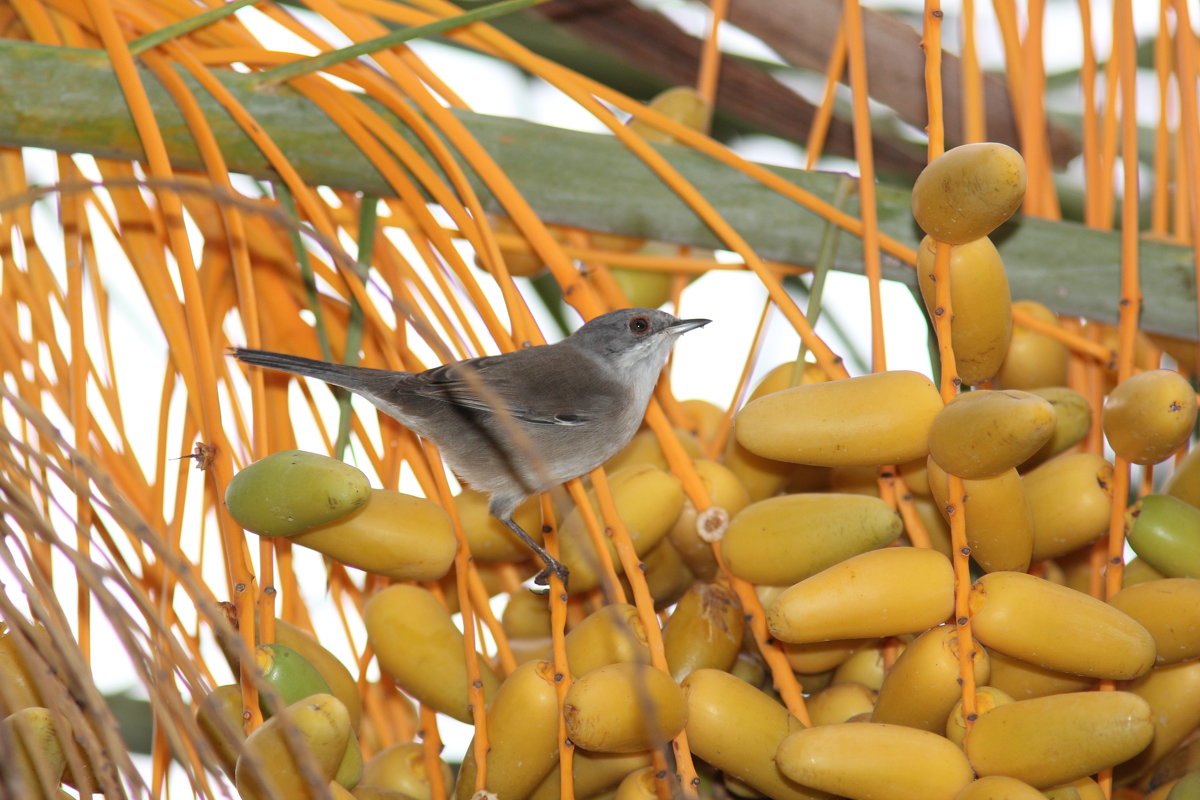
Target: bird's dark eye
639,324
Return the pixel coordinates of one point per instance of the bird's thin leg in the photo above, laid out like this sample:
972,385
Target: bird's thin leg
552,564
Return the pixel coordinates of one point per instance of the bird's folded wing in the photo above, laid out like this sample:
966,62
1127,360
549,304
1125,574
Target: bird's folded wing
459,384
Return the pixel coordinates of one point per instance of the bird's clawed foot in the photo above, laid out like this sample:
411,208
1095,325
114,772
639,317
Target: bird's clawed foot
541,581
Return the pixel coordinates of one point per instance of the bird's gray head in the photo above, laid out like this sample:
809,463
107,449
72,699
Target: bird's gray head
633,337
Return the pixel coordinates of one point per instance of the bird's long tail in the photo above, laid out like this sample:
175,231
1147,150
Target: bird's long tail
358,379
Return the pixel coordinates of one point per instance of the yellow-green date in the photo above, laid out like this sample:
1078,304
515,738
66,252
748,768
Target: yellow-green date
291,491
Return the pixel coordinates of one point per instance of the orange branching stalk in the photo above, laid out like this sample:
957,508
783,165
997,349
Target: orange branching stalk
943,314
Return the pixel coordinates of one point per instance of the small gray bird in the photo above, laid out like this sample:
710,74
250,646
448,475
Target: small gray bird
571,405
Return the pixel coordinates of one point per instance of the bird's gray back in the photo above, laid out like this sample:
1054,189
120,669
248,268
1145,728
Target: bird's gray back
517,424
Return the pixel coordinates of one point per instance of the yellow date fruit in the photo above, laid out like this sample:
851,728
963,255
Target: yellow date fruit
392,534
866,664
786,539
1073,570
999,787
1145,352
1078,789
1176,788
1183,351
815,683
35,766
751,668
737,729
592,773
879,593
921,688
1150,415
522,723
1072,420
291,676
881,418
816,657
726,491
998,520
1034,359
933,520
639,785
489,538
291,491
648,501
968,191
983,433
268,768
916,476
526,615
787,375
20,687
1051,740
644,448
738,789
404,768
536,648
764,477
1138,571
874,761
1022,680
1184,482
702,418
980,301
644,288
1170,610
418,645
1059,527
338,792
1058,628
681,103
839,702
704,631
490,575
219,717
667,576
986,698
1172,692
624,708
852,480
647,288
609,635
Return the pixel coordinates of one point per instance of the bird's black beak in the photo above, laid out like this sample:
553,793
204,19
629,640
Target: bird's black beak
685,325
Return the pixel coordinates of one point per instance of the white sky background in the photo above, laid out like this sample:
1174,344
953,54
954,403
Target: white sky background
707,362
